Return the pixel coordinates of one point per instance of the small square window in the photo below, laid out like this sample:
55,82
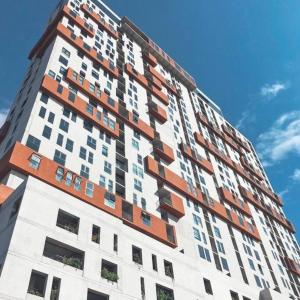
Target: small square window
37,283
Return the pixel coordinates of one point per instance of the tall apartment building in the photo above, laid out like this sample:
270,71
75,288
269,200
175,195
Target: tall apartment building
120,179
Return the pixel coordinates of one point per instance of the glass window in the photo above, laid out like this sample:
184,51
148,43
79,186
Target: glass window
33,143
69,145
109,200
59,174
47,132
91,142
64,125
69,178
82,153
102,181
107,167
105,150
89,191
42,112
138,185
34,161
60,139
85,171
135,144
59,157
77,183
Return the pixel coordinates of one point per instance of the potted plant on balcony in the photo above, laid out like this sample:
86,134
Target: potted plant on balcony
109,275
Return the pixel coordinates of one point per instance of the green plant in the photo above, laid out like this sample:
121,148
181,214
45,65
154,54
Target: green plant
73,262
111,276
162,295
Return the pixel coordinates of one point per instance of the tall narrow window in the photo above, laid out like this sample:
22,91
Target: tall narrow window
154,262
55,288
207,286
96,234
143,292
115,243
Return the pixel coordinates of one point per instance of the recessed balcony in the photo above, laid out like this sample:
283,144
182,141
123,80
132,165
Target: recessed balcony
171,203
163,151
150,58
159,113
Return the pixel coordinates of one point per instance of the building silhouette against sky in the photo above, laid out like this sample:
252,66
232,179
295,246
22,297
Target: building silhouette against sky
120,179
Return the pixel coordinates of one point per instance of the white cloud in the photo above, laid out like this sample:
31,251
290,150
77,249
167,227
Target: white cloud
272,90
281,139
284,192
242,120
296,175
3,115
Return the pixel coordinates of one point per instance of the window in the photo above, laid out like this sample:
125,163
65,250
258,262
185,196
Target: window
251,264
207,286
65,52
91,142
67,221
69,145
102,181
224,264
77,183
82,153
140,159
234,295
42,112
105,150
204,253
59,174
168,269
60,139
109,200
258,282
37,283
115,246
34,161
63,253
47,132
55,288
33,143
135,144
144,204
137,255
89,191
63,60
138,185
96,234
64,125
220,247
59,157
91,158
44,98
197,220
143,292
85,171
154,262
107,167
164,293
69,179
197,234
92,295
109,271
51,117
217,232
146,219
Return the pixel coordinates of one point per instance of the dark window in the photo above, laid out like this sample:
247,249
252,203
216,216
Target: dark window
207,286
64,125
51,117
67,221
164,293
96,234
115,243
137,255
37,283
60,89
60,157
47,132
60,139
168,269
63,60
154,262
69,145
92,295
44,98
33,143
64,253
109,271
234,295
143,293
55,288
42,112
82,153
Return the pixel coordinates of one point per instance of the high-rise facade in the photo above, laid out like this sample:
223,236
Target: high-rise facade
120,179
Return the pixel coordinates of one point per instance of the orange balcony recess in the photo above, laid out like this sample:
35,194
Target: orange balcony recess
150,58
171,203
110,104
235,201
292,266
5,192
142,80
67,98
196,158
231,132
163,151
24,160
158,112
250,168
100,21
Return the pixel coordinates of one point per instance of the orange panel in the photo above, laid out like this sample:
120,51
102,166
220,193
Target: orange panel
150,59
163,151
18,159
196,158
159,113
50,86
100,21
292,266
171,203
111,105
5,192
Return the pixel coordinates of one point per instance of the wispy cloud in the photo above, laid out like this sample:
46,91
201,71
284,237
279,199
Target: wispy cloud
248,116
281,139
271,90
3,115
296,175
284,192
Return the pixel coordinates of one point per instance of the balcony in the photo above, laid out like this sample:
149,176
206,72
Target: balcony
232,133
171,203
100,21
150,59
235,201
292,266
5,192
250,168
159,113
196,158
163,151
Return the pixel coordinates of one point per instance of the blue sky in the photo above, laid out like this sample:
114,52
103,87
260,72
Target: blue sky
245,55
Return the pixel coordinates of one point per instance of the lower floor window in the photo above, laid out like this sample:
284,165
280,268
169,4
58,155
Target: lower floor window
37,283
